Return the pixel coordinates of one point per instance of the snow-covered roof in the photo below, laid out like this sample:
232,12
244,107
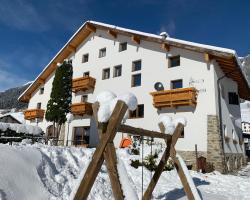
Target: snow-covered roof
90,26
19,116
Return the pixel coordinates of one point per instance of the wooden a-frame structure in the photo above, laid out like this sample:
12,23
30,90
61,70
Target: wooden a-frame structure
106,151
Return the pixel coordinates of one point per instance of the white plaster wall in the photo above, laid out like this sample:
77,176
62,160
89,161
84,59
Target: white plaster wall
229,110
154,69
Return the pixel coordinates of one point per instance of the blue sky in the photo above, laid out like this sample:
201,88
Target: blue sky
32,32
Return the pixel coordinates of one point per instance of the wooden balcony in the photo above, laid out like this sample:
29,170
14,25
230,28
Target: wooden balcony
175,98
83,108
83,84
33,114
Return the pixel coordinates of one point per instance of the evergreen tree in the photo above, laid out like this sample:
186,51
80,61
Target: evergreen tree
60,97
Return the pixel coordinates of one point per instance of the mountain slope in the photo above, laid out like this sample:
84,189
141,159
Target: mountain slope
8,98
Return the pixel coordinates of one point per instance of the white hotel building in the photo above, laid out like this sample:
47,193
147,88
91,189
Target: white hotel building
202,83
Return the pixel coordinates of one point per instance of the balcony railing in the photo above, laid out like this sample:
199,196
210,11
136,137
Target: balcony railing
175,97
83,84
83,108
33,114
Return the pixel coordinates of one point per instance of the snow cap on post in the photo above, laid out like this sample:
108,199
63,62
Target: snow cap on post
108,100
170,124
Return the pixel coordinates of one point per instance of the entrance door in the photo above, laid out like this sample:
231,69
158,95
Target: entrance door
81,136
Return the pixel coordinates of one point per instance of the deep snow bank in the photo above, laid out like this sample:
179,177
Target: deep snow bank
40,172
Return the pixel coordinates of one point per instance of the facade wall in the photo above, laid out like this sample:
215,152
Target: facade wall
154,69
230,114
193,70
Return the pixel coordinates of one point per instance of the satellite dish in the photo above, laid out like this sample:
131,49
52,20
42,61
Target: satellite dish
158,86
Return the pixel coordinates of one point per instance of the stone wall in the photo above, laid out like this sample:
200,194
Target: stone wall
190,158
215,152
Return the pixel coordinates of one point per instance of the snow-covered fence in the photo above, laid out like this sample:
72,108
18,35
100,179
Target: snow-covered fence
11,132
111,123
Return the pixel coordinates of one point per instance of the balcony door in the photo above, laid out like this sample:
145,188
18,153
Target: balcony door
81,136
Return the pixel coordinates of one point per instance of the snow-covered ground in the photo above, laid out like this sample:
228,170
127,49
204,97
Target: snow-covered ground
29,172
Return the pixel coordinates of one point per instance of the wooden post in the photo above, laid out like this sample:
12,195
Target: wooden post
110,158
170,143
196,157
98,156
178,166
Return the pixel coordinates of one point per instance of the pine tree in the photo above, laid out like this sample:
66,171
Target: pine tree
60,97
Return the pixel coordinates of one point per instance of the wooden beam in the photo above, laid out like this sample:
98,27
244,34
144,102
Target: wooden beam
41,81
207,57
98,158
71,48
142,132
136,39
165,46
112,33
148,194
110,158
90,27
178,166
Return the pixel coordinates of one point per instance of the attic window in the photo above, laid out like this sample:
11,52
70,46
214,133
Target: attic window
123,46
174,61
41,91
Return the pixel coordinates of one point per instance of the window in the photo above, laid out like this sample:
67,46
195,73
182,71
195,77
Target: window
81,135
105,74
182,134
41,91
233,98
85,58
176,84
123,46
117,71
138,113
84,98
136,80
136,66
86,74
102,52
39,105
174,61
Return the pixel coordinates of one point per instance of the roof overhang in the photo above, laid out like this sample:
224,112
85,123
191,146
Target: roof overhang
226,58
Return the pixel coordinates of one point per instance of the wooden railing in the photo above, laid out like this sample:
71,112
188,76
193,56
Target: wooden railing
83,84
83,108
33,114
175,97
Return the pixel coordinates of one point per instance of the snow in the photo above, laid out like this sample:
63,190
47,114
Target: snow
245,111
171,124
53,173
189,178
19,116
128,190
21,128
108,100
